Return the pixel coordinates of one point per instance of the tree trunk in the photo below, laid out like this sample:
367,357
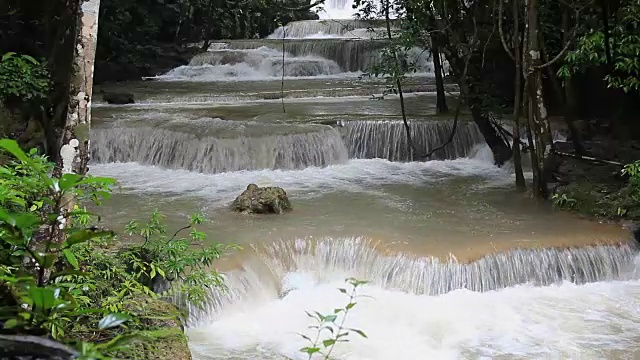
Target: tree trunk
539,121
441,100
517,102
74,152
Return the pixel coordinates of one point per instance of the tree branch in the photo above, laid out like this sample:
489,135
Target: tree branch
458,108
502,38
588,158
564,51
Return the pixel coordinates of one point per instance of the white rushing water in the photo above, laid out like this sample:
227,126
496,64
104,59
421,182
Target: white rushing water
265,309
356,175
337,9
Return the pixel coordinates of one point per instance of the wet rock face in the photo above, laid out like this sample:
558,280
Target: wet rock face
262,200
118,98
21,347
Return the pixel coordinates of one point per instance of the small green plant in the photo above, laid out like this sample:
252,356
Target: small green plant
173,258
23,79
563,201
329,323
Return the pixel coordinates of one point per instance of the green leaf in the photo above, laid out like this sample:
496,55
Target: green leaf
350,306
43,298
113,320
310,350
10,324
68,181
47,260
7,218
328,342
12,147
122,341
330,318
359,332
97,180
85,235
7,55
71,258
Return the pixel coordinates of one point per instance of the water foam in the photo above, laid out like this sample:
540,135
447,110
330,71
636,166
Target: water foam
251,64
354,176
494,307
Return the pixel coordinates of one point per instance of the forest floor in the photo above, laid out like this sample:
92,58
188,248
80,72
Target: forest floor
597,189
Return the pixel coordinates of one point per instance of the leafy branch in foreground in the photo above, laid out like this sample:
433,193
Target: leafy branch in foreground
329,323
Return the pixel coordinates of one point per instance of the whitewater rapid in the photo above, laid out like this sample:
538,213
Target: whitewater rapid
264,311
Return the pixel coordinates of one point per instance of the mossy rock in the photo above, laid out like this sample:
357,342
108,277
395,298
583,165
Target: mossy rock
262,200
594,199
162,321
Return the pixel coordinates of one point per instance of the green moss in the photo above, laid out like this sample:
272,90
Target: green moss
161,321
600,200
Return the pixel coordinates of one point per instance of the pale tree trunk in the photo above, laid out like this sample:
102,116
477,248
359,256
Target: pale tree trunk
441,100
517,102
539,121
74,153
74,150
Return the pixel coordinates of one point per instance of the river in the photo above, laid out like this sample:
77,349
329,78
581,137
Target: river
461,265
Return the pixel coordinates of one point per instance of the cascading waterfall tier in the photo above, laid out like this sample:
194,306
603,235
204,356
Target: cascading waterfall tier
215,146
253,63
331,28
350,55
265,276
388,139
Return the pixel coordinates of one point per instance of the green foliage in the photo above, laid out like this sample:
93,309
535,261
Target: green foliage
161,257
625,51
329,323
32,209
23,79
61,276
563,201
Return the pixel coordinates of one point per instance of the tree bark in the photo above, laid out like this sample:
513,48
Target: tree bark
74,152
441,100
517,102
538,120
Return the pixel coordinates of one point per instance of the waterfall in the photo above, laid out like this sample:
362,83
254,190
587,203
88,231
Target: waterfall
350,55
210,147
330,28
388,139
266,276
259,63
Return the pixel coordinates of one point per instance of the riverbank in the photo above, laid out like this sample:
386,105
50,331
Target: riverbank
598,189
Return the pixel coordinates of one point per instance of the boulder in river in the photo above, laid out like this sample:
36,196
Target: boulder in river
262,200
118,98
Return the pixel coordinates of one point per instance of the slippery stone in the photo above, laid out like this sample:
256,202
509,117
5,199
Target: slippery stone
117,98
33,347
262,200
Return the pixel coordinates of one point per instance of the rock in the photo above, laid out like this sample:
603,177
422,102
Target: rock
165,320
118,98
310,15
265,200
32,348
